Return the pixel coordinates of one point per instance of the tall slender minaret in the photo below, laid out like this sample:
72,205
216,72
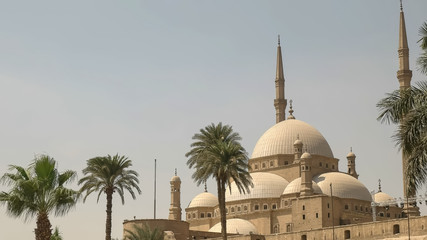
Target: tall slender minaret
280,101
175,206
404,74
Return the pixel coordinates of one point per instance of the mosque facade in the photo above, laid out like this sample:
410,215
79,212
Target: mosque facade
297,186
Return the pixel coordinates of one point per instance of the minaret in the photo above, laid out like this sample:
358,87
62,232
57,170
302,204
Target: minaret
175,206
404,74
280,101
297,149
306,175
351,164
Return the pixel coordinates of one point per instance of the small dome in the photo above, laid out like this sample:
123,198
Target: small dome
237,226
295,187
280,139
306,155
350,155
204,199
266,185
381,197
343,186
298,142
175,179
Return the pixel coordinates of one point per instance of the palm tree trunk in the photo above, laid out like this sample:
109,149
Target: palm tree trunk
108,224
43,230
221,200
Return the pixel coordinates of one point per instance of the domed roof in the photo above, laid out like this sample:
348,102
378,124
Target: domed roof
266,185
204,199
381,197
343,186
351,154
295,187
237,226
175,179
280,138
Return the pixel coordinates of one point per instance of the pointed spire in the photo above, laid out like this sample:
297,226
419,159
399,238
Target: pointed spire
280,101
291,110
404,74
279,64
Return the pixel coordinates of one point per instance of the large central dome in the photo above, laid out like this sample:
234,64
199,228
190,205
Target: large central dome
280,138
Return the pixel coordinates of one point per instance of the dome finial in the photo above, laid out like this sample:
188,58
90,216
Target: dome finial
206,187
379,185
291,110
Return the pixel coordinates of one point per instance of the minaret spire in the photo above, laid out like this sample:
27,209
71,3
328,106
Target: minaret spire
280,101
404,74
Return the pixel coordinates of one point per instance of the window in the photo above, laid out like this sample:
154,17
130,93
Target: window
202,215
265,207
347,234
303,217
276,228
396,229
256,207
274,206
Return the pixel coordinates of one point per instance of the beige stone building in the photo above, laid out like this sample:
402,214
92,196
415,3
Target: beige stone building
298,190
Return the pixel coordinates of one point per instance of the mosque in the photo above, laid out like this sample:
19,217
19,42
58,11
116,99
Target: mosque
297,185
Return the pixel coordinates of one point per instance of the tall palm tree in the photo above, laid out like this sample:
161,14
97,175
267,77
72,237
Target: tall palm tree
144,233
217,153
108,175
38,191
422,60
408,108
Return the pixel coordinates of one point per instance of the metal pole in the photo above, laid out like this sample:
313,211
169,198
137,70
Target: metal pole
333,224
407,207
155,170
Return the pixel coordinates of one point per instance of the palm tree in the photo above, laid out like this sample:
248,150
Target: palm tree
107,175
217,153
38,191
56,235
144,233
422,60
408,108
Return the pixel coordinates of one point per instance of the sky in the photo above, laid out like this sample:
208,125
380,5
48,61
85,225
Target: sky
80,79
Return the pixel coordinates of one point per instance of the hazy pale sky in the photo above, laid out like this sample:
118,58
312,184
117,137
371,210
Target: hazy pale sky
80,79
